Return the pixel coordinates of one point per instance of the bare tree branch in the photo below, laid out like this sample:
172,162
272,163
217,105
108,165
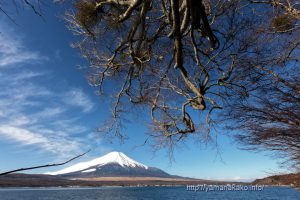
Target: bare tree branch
224,53
43,166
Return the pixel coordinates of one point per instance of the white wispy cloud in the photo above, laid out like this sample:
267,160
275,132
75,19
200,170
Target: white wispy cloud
77,97
49,113
48,143
13,51
26,117
17,78
22,135
32,113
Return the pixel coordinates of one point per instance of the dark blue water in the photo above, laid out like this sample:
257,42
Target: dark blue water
145,193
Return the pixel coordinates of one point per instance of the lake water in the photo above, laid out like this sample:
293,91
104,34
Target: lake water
145,193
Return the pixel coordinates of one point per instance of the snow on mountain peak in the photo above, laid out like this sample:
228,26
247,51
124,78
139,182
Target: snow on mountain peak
121,159
112,157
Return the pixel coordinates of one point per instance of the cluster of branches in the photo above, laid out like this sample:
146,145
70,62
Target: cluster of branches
270,117
290,7
162,54
270,120
181,57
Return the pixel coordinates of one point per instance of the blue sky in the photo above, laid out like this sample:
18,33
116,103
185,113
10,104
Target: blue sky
48,112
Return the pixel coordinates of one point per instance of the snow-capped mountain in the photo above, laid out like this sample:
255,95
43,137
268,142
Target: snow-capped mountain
112,157
111,164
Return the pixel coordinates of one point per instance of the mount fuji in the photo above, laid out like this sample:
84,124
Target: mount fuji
114,164
112,169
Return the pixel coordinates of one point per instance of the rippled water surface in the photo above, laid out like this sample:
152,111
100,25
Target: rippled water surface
144,193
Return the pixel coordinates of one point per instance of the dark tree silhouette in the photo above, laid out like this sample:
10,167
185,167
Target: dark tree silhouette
270,119
179,58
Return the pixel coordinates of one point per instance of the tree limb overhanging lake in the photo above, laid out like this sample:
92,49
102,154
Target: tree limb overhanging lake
44,166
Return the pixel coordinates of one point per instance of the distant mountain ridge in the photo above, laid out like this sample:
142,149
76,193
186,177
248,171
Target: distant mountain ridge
284,179
113,164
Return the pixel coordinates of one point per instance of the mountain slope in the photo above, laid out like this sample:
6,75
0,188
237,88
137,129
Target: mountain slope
285,179
110,165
